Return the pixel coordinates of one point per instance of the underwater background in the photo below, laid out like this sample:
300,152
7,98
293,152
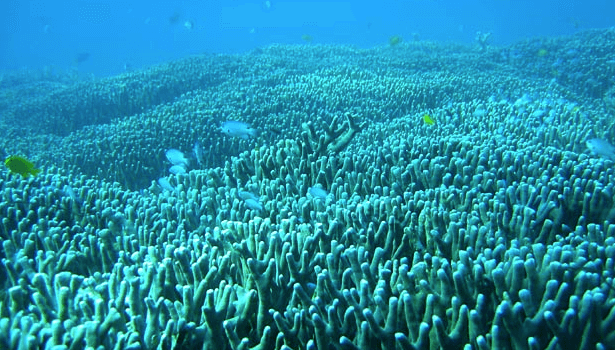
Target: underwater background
107,37
307,175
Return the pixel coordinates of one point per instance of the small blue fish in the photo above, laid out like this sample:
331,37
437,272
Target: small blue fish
176,157
253,204
177,169
318,192
235,128
164,183
245,195
601,148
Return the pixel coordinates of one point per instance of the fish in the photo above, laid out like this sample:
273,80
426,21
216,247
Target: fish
245,195
251,200
176,157
177,169
164,183
395,40
307,38
174,18
253,204
20,165
189,24
601,148
318,192
429,120
235,128
197,149
82,57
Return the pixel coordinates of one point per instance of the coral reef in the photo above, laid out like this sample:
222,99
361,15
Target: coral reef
492,229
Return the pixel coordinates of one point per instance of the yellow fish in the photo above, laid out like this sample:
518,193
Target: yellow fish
428,119
22,166
395,40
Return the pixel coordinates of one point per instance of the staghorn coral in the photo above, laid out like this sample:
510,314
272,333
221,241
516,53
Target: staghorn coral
493,230
336,136
408,281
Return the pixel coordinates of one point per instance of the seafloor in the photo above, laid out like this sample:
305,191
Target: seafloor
369,228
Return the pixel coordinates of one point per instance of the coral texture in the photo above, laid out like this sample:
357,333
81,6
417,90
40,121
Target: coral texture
492,229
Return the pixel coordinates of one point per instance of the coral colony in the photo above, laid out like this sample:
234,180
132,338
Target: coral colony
318,208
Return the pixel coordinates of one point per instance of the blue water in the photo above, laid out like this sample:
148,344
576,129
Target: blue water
120,35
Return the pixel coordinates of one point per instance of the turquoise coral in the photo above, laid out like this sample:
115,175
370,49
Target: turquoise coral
491,231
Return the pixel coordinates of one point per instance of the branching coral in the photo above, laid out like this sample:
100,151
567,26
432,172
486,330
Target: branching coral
336,136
